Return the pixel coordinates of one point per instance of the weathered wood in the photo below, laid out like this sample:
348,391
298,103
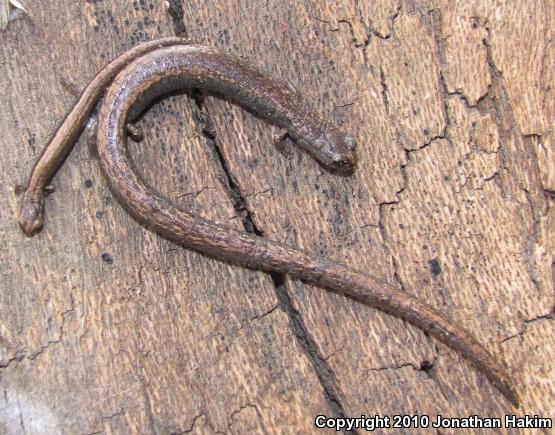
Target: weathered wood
106,327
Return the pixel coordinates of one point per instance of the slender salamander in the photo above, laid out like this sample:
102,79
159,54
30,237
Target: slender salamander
141,74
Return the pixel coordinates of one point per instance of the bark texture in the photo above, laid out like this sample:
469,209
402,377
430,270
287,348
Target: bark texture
105,327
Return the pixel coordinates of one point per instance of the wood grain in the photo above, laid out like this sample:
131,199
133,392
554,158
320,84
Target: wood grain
107,328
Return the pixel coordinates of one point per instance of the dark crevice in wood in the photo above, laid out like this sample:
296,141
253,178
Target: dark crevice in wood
193,424
230,186
382,205
175,9
549,316
384,91
323,371
238,411
371,31
383,231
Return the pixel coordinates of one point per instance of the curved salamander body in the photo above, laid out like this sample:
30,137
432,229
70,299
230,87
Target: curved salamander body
169,65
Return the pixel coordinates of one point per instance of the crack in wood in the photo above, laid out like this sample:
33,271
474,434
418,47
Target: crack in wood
175,10
323,372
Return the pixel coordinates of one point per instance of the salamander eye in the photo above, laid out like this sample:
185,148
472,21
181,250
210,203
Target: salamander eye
340,162
350,142
343,164
337,158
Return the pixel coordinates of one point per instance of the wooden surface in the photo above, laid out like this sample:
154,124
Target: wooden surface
106,327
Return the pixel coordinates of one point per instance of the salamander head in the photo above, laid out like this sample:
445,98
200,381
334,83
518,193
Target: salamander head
336,151
332,148
31,214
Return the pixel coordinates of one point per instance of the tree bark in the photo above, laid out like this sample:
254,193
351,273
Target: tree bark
105,327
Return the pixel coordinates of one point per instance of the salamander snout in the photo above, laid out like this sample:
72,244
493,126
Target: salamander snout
339,152
31,214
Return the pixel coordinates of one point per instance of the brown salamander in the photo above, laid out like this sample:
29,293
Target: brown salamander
151,69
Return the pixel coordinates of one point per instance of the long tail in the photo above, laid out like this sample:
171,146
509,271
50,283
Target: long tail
158,213
376,293
224,243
